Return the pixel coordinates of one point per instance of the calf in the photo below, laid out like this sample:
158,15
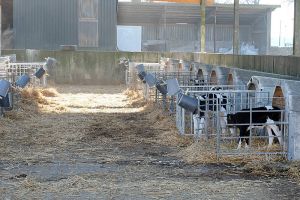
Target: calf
265,118
209,102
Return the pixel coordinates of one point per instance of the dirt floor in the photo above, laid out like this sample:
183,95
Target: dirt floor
96,142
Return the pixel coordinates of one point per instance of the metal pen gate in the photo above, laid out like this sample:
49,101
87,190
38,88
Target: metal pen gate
184,120
224,143
15,70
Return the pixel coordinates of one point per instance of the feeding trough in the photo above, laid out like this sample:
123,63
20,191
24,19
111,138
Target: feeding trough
23,81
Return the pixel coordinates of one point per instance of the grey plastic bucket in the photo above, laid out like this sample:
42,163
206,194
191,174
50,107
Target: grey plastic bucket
40,72
142,75
188,103
150,80
5,102
162,87
50,62
140,68
23,81
4,87
173,87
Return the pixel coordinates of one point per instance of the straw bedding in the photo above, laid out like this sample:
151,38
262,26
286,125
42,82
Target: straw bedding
63,127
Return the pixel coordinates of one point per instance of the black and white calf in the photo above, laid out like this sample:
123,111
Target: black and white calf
210,102
266,116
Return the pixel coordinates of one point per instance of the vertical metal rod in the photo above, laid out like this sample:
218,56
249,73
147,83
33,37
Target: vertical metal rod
250,136
218,132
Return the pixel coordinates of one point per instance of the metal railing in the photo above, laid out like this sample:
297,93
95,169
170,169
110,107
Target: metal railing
213,124
15,70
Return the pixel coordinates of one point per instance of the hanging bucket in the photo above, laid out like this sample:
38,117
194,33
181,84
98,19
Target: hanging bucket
140,68
23,81
5,102
142,75
50,62
162,87
4,87
188,103
150,80
40,72
173,86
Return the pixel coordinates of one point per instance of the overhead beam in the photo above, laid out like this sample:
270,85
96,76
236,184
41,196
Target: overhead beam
297,28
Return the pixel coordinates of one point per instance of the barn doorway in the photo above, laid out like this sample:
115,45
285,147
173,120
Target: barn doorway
251,96
192,67
213,78
278,98
200,74
230,79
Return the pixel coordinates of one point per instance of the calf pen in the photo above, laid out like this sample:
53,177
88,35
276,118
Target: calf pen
15,76
212,127
277,91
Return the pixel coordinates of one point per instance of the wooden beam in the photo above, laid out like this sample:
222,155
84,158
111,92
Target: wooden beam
215,24
0,27
268,29
297,28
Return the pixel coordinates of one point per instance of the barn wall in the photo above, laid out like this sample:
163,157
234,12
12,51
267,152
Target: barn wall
44,24
185,37
283,65
79,64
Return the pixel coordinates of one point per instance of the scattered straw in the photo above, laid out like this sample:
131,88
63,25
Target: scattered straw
33,95
49,92
199,153
135,97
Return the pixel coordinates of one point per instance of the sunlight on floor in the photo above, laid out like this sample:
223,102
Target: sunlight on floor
104,99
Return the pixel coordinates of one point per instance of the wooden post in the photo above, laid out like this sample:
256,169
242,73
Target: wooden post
268,42
236,32
0,27
215,23
297,28
203,23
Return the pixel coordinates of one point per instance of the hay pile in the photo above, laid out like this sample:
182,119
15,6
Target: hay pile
30,101
294,170
164,123
135,97
49,92
202,152
32,96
